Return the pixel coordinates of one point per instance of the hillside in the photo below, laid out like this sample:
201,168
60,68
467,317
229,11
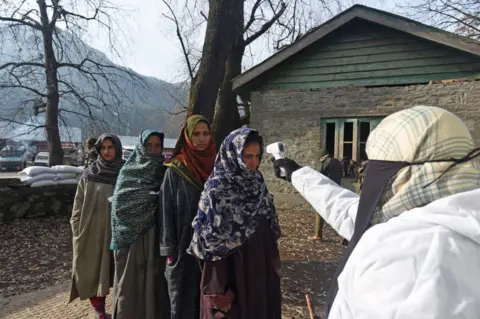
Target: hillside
121,101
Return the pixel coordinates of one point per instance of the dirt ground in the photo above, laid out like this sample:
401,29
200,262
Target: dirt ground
36,254
307,267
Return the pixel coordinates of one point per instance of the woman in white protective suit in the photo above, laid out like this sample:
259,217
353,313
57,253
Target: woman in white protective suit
414,232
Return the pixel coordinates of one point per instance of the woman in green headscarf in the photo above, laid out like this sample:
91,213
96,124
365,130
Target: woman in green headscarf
139,289
191,164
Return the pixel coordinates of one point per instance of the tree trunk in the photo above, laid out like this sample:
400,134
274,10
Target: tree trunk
227,117
222,30
53,97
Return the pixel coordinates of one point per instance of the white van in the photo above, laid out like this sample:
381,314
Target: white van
41,159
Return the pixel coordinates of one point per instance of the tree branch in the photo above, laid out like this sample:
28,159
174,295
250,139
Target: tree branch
94,17
19,86
23,21
267,25
256,5
463,16
20,64
35,127
180,38
57,13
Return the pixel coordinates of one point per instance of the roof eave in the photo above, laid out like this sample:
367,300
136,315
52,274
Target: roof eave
369,14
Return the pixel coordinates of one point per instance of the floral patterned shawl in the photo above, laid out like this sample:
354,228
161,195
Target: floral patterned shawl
233,201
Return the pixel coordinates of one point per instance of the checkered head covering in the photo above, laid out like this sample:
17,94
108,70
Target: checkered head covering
433,138
415,156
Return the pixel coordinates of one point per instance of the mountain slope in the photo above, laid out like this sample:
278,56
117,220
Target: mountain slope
120,100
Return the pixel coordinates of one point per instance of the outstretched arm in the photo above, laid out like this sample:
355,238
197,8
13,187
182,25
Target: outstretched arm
337,205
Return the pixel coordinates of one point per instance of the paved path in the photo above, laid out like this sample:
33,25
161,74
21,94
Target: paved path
50,303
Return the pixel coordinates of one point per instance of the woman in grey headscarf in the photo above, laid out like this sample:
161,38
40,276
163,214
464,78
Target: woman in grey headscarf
92,261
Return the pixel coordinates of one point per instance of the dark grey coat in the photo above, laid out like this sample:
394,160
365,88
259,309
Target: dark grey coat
179,207
332,168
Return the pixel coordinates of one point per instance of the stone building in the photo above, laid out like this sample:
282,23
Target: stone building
332,87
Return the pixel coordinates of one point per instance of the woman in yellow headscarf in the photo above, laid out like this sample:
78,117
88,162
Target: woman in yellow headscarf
189,168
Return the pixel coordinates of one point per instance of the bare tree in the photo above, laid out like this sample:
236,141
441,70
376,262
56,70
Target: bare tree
84,81
460,16
281,22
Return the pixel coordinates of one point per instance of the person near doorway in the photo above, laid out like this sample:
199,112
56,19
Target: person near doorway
331,168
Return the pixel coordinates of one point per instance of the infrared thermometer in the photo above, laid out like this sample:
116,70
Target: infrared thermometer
278,151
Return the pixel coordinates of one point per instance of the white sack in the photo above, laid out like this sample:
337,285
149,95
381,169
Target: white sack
43,183
29,180
35,170
67,169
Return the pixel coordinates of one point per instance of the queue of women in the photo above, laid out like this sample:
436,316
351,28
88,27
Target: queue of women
192,238
197,237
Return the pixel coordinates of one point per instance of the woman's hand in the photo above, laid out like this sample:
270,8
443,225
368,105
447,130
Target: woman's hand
226,309
287,165
221,302
170,260
276,263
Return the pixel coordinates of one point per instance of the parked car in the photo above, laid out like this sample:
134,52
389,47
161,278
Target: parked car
13,159
41,159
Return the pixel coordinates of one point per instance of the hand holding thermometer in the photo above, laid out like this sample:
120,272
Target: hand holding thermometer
278,150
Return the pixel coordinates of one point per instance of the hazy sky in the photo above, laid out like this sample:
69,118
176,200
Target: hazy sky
151,47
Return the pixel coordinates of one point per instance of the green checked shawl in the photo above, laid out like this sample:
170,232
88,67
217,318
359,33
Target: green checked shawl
133,206
422,134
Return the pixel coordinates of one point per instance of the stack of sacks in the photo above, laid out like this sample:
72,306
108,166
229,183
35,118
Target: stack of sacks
38,176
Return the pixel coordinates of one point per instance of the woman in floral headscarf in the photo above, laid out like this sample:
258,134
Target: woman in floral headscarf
235,234
139,289
187,172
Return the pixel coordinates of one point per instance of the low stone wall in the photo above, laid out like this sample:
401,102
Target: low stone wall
8,182
17,201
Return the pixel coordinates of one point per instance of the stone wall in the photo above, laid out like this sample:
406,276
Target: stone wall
25,202
294,116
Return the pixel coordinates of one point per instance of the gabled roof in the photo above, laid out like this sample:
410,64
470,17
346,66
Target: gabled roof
368,14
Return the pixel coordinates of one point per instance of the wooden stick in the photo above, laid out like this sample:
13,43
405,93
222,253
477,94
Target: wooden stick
309,304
